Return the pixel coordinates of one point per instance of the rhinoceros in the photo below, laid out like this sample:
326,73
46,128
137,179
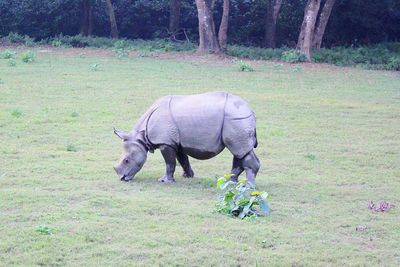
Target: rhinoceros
199,126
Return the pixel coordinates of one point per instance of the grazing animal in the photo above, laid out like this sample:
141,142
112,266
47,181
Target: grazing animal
199,126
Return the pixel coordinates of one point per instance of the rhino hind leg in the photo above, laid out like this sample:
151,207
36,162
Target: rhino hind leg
251,165
183,160
169,155
237,169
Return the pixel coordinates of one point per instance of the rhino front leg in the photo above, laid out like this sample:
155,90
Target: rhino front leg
169,155
237,169
251,165
183,159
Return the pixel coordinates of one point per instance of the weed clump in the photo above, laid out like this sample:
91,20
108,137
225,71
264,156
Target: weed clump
8,54
44,230
16,113
241,199
28,57
246,67
71,148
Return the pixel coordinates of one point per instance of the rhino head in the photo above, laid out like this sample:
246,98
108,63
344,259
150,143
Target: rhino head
133,157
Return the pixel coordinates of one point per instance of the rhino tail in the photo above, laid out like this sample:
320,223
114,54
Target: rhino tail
255,136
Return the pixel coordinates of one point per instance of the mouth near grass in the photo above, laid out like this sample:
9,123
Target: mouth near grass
126,178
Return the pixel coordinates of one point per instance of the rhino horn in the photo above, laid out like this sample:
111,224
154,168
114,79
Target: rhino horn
121,134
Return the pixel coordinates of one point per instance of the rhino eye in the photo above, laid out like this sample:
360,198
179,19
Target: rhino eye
126,161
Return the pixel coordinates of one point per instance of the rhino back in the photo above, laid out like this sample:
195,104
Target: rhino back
199,119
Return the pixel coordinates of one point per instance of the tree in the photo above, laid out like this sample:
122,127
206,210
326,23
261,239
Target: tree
223,27
304,42
113,22
174,16
322,22
273,7
86,18
208,39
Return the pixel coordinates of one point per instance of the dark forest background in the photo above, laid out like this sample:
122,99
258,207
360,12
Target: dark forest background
352,22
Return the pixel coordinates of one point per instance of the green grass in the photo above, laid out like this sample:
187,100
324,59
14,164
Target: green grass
328,144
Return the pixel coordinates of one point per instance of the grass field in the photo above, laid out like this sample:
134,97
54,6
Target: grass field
328,144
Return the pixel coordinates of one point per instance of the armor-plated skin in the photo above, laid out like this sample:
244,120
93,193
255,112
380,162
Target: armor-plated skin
199,126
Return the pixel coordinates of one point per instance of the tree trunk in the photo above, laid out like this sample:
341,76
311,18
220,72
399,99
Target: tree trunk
223,27
113,22
273,7
307,28
322,22
86,18
174,16
208,42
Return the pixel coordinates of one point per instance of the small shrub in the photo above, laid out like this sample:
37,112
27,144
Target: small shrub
15,38
11,63
28,41
8,54
394,63
28,57
44,230
71,148
121,44
293,56
56,43
241,199
243,66
16,113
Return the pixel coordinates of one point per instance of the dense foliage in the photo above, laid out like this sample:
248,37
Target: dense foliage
383,56
352,22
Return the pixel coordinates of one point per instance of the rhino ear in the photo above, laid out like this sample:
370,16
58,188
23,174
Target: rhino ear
121,134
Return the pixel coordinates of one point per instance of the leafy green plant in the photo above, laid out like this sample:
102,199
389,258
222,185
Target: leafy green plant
28,57
293,56
43,229
8,54
244,66
241,199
